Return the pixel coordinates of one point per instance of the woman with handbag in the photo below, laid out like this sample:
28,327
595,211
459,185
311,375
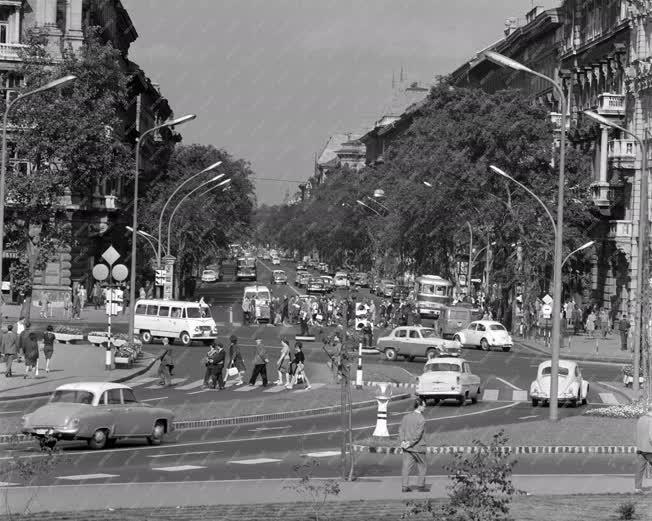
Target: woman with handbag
283,364
298,368
236,363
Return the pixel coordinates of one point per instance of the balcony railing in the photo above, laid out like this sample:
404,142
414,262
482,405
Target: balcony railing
622,150
611,104
605,196
621,230
555,117
11,51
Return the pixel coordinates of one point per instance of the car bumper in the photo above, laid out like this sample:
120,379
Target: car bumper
442,395
58,433
425,312
560,398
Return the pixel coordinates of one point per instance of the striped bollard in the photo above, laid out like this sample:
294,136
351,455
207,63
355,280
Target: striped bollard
383,397
358,373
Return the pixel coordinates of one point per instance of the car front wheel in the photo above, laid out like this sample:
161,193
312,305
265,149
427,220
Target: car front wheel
506,349
535,402
146,336
99,439
157,434
390,354
185,338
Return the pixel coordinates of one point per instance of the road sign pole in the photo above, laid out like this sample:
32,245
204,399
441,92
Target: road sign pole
108,362
358,373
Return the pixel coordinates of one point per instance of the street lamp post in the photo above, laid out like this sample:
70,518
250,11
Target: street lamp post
470,266
557,293
583,247
134,225
145,236
643,254
3,168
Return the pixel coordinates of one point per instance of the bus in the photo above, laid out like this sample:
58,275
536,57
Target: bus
246,268
432,294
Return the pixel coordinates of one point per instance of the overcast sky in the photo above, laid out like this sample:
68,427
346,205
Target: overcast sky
271,80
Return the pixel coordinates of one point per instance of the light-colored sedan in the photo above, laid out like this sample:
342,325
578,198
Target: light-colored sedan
341,281
279,277
485,335
572,389
413,341
98,412
209,276
449,378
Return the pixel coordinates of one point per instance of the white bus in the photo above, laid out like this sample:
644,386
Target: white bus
175,320
433,294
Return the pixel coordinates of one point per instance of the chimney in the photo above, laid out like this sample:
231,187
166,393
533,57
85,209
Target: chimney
510,25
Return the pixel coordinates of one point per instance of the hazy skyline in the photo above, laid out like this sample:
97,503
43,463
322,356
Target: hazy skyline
271,80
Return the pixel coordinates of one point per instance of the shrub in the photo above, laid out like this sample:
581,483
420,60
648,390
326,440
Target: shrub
316,493
627,510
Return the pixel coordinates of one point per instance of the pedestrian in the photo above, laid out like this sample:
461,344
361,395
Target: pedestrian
20,326
48,346
166,361
412,437
283,364
603,316
142,293
9,348
76,307
590,324
30,351
643,448
44,305
304,323
623,329
235,359
298,368
209,382
67,306
96,294
82,296
284,310
367,334
3,332
260,361
215,367
577,320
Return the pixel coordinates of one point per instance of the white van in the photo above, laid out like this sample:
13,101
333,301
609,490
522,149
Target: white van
174,319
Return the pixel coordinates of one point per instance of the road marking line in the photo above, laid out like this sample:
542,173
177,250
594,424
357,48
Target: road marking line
270,428
275,389
7,484
247,387
154,399
314,386
175,381
185,453
323,454
80,477
507,383
255,461
192,385
608,398
490,395
10,412
519,396
528,417
142,381
180,468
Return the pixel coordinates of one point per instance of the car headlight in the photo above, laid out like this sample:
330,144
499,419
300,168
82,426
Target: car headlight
71,423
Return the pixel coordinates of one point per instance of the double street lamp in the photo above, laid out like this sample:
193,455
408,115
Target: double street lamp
134,226
3,168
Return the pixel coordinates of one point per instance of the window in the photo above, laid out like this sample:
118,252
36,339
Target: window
112,397
428,333
72,396
546,371
164,311
497,327
128,396
414,334
401,333
194,312
177,312
439,366
141,309
481,327
457,314
467,369
152,309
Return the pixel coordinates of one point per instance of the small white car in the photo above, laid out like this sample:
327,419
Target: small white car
341,281
208,276
276,260
485,335
572,388
413,341
449,378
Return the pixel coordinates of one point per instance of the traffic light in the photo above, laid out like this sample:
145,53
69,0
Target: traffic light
160,277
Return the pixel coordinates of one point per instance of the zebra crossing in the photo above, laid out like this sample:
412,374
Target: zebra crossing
192,387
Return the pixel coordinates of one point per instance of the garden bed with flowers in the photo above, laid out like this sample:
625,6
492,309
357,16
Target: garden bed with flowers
624,411
67,334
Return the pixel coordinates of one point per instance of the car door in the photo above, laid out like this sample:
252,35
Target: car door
137,417
469,334
400,334
477,333
165,327
115,414
413,346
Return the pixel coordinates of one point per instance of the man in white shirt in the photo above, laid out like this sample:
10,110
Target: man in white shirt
643,448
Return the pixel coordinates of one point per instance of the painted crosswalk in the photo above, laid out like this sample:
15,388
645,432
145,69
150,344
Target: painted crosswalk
609,398
490,395
192,385
82,477
175,381
255,461
179,468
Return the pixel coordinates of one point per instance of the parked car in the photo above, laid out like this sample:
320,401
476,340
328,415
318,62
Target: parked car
315,285
174,319
279,277
400,293
361,280
276,260
412,341
98,412
301,267
329,283
302,279
374,286
455,318
385,288
485,334
572,389
341,281
209,276
449,378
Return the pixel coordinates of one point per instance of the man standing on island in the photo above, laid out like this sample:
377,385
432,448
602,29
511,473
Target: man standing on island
412,437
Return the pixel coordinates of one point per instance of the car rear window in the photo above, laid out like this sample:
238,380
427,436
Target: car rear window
497,327
563,371
72,396
433,368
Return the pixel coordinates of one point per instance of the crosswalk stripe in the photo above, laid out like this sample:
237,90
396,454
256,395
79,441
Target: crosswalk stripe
7,484
247,387
192,385
81,477
608,398
255,461
175,381
179,468
519,396
275,389
323,454
490,395
142,381
314,386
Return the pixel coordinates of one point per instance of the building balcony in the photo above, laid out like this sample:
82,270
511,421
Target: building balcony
605,196
622,231
611,104
105,202
11,51
555,118
622,153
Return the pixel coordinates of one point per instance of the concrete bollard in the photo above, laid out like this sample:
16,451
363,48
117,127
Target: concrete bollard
231,315
358,373
107,359
383,397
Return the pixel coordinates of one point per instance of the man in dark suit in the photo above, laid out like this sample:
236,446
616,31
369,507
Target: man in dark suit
9,348
218,367
412,437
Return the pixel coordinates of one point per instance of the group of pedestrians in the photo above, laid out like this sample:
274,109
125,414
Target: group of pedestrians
21,344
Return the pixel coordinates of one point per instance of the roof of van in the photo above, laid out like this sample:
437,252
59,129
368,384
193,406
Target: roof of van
160,301
256,288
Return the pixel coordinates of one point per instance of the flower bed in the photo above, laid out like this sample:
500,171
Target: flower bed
68,330
65,334
627,411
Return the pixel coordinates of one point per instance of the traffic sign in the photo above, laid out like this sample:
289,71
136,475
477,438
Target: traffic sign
111,255
160,277
120,272
100,272
547,300
546,311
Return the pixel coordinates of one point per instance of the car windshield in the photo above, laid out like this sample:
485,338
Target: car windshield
428,333
497,327
72,396
197,312
209,272
546,371
442,366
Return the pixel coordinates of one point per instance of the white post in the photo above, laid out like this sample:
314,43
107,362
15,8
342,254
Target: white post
381,419
231,315
358,373
107,357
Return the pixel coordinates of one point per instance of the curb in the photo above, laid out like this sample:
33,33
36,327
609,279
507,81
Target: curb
140,372
239,420
400,385
570,356
519,449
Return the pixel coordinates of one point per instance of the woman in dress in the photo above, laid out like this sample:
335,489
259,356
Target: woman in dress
590,324
297,367
31,354
283,364
235,359
48,346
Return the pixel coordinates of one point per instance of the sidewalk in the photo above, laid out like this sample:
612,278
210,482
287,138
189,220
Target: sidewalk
89,315
79,498
581,347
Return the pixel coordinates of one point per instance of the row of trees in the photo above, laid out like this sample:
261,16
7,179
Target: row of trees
451,142
73,137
